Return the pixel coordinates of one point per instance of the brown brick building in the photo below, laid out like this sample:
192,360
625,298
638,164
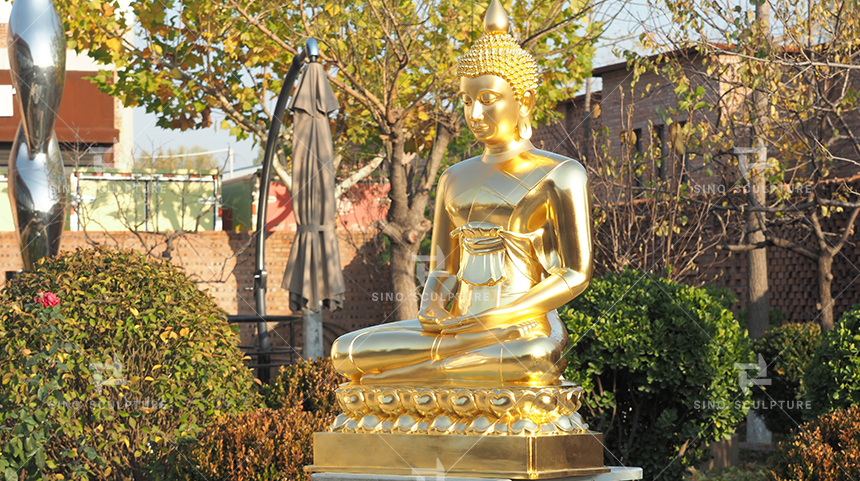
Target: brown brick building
631,118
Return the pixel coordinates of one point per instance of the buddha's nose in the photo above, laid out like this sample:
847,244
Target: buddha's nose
477,113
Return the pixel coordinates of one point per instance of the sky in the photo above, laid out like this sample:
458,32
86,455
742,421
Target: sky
148,136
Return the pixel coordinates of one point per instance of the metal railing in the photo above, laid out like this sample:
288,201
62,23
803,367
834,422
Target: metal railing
261,358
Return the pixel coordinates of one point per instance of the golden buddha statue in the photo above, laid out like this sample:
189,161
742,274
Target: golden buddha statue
475,381
511,243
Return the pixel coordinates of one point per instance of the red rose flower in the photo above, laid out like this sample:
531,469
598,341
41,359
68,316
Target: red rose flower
47,299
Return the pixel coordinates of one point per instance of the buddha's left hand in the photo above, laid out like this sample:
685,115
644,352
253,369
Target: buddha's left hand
490,319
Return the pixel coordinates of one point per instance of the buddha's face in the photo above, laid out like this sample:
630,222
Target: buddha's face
491,108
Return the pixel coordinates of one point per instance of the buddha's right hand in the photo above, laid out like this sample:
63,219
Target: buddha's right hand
433,318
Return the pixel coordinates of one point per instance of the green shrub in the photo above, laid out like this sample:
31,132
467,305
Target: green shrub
826,449
133,358
657,359
723,295
309,386
832,380
775,318
271,443
787,350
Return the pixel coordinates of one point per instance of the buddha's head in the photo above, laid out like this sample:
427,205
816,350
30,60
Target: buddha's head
498,80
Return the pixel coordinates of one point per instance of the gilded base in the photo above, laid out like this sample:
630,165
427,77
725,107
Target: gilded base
470,410
505,457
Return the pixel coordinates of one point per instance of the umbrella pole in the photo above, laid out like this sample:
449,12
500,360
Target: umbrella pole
260,274
313,333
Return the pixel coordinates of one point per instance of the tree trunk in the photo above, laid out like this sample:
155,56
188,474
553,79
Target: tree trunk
405,289
406,226
758,318
825,281
758,308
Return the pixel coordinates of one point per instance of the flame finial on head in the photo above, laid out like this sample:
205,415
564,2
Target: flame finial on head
496,52
496,19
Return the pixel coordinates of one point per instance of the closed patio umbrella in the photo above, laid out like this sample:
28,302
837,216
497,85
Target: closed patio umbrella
313,274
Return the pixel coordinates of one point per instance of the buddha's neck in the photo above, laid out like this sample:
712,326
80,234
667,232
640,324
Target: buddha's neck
494,154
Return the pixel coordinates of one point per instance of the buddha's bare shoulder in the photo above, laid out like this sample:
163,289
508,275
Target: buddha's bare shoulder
533,165
463,166
465,169
563,171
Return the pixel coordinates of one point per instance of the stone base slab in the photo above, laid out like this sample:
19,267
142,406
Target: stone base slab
501,457
616,473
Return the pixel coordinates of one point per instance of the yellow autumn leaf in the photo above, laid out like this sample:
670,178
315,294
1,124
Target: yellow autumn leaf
164,335
148,378
183,332
114,44
134,311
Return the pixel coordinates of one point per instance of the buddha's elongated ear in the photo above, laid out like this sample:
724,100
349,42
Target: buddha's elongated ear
527,104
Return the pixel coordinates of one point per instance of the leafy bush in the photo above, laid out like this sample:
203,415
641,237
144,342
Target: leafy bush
262,445
308,386
832,380
775,318
132,359
657,359
271,443
787,350
826,449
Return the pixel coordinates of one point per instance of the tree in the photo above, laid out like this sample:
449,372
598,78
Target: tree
805,73
391,64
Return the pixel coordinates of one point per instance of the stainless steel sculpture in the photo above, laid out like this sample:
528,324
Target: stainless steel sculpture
37,181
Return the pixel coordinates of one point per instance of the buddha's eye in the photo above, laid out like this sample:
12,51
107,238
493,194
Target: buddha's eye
466,99
487,98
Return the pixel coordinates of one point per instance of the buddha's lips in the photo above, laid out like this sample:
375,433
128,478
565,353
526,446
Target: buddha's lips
480,129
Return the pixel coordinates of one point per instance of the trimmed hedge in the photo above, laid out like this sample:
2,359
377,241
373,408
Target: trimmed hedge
657,360
132,359
273,443
832,380
787,350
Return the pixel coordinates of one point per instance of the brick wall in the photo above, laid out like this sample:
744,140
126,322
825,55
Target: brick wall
792,278
223,263
566,136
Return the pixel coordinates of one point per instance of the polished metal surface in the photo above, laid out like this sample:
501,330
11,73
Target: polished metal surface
506,457
37,191
511,243
313,49
37,181
490,410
